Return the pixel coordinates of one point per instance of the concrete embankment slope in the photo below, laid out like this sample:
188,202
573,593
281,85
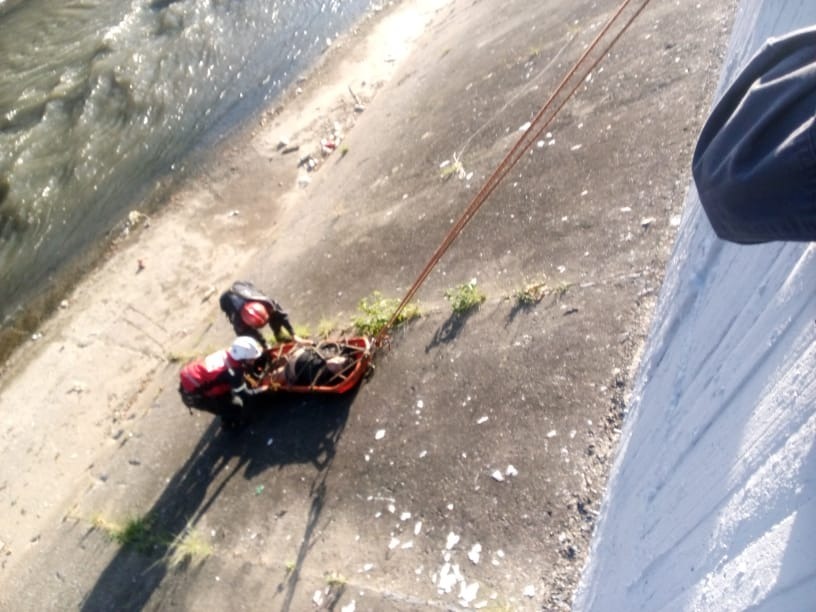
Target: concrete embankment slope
467,471
711,503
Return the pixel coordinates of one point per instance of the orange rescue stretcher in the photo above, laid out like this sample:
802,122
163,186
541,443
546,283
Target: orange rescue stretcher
357,351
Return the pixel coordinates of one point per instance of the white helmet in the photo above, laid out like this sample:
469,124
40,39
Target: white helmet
245,348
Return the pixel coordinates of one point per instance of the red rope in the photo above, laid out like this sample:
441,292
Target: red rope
531,134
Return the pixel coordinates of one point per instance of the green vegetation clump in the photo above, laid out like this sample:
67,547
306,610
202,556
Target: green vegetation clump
530,294
334,579
465,297
140,534
375,311
533,293
189,546
136,533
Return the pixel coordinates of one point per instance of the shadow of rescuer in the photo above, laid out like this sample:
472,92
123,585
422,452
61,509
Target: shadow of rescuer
248,310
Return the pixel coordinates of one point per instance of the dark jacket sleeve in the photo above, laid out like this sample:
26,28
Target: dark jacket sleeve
280,320
755,160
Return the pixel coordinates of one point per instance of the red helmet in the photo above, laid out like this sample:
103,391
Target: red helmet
254,314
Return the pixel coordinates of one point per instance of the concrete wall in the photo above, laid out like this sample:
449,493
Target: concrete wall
712,500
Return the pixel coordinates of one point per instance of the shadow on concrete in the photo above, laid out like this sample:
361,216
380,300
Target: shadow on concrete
305,430
518,308
448,331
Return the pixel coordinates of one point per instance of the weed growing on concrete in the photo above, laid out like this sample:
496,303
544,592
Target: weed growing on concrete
465,297
189,546
560,289
533,293
376,310
333,579
136,533
530,294
326,327
455,167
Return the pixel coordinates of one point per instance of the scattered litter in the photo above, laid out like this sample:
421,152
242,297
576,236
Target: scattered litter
327,146
646,222
626,209
575,147
317,598
449,575
349,607
552,433
417,527
540,144
368,567
475,553
468,592
259,489
420,404
529,591
405,516
392,508
135,217
422,454
511,471
450,506
359,108
497,475
64,304
380,434
675,220
234,213
524,127
393,543
584,192
307,161
451,541
270,441
482,419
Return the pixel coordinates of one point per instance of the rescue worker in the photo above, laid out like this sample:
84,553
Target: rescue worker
248,310
216,383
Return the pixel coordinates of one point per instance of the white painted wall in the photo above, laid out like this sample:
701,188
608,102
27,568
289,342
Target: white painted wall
712,500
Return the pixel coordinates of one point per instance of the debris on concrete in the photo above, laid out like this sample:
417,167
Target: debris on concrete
475,553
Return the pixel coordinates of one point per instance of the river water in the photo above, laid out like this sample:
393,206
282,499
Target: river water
98,98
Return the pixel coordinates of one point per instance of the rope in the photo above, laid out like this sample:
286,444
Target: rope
537,126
